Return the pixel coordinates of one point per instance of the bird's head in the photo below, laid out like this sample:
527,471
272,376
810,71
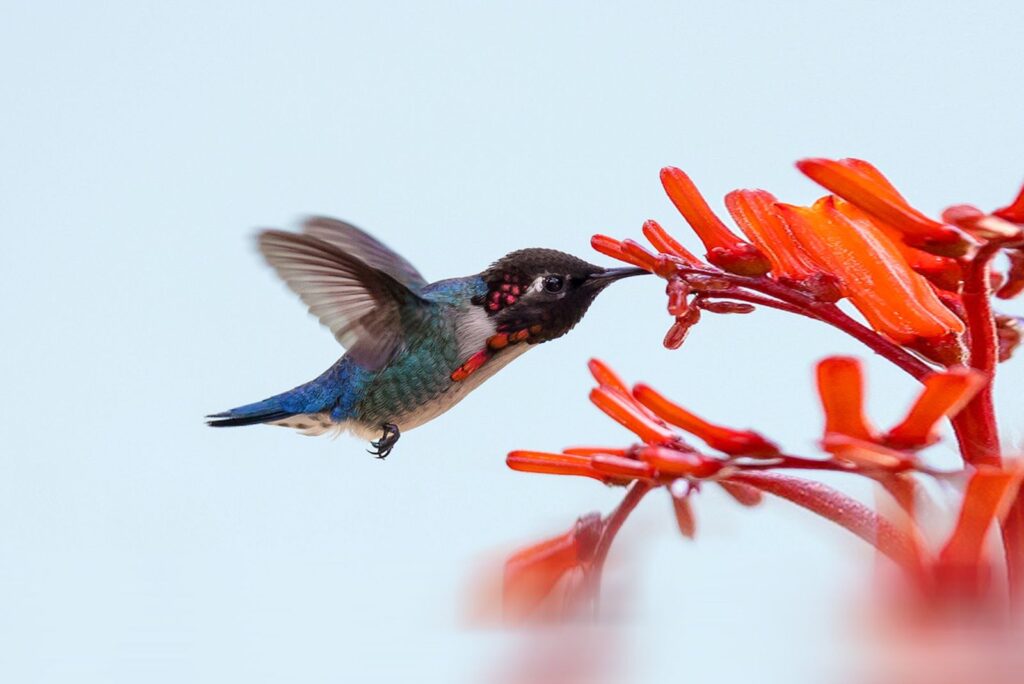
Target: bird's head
543,291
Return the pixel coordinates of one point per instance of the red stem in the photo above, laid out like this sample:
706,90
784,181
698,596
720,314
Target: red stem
840,509
797,302
975,425
612,524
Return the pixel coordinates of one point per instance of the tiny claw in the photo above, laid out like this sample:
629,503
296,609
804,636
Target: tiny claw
383,446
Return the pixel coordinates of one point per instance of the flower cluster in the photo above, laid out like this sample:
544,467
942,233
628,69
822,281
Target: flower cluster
923,290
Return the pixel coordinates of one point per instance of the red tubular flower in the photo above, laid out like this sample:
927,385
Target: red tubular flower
666,244
609,246
1014,211
725,249
622,409
863,185
606,377
553,464
726,440
896,301
944,395
621,467
532,573
841,388
755,213
987,499
675,463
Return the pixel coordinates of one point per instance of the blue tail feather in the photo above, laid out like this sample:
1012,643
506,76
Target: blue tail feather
331,392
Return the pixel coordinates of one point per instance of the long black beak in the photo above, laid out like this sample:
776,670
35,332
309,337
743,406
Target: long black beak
610,275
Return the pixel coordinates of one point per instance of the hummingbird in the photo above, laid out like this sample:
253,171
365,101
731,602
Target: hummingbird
413,349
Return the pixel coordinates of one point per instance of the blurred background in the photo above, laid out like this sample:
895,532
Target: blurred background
141,145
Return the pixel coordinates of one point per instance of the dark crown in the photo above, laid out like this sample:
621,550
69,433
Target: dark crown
529,263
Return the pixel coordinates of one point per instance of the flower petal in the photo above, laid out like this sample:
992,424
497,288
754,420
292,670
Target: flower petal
944,394
895,300
862,184
841,388
726,440
552,464
755,213
725,249
666,244
623,411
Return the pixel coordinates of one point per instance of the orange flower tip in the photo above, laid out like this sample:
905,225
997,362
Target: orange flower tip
947,350
611,247
672,462
864,186
551,464
622,410
741,258
605,376
638,255
666,244
694,208
841,390
944,395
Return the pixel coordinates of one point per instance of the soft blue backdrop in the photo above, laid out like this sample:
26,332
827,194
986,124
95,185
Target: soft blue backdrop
142,143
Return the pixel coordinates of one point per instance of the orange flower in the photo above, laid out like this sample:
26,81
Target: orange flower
987,499
532,573
864,186
666,244
841,388
896,301
614,248
726,440
944,395
553,464
755,213
726,250
625,412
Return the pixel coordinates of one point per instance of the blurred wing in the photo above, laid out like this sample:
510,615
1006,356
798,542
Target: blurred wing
366,248
366,308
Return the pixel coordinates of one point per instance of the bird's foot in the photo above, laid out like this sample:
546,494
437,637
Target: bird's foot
383,446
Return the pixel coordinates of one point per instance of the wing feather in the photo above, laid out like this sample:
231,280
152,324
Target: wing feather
366,248
365,307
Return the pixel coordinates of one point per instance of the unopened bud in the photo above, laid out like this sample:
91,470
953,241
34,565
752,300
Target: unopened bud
678,291
724,307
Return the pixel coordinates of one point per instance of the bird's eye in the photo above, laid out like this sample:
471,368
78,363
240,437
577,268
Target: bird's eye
553,283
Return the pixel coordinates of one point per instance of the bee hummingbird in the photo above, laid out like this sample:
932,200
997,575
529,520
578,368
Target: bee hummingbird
414,349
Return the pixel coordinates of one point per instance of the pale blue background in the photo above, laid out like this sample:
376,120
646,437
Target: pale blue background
142,143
